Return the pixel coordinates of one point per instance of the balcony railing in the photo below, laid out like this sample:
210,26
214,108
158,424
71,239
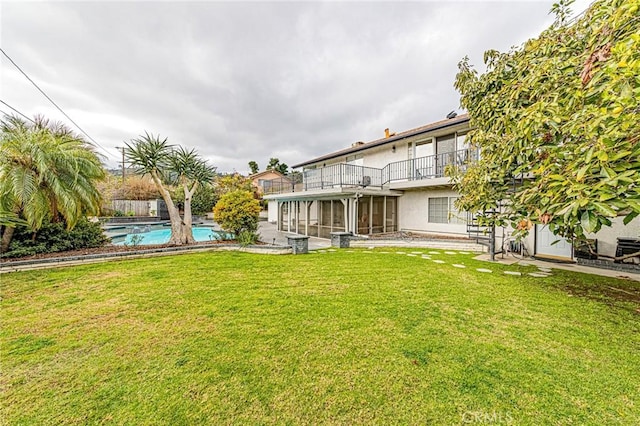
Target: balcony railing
349,175
432,166
341,176
292,183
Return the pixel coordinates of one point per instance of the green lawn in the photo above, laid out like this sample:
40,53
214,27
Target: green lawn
336,338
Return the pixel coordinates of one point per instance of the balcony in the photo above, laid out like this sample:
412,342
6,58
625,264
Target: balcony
352,176
342,176
430,167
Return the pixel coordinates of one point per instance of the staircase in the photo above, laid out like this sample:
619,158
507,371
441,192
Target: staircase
482,234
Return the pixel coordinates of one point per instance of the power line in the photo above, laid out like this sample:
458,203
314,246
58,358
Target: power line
54,104
16,111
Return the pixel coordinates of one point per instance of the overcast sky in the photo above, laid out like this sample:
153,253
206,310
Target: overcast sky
243,81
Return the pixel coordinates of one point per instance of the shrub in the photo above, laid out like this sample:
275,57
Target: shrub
237,211
54,237
203,201
247,238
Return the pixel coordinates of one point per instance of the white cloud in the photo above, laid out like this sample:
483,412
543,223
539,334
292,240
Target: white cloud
250,81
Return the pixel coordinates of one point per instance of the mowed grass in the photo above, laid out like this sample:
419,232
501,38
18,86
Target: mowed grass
337,338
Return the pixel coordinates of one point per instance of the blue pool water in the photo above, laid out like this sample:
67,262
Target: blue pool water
161,236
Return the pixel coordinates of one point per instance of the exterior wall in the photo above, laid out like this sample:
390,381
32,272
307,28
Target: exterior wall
272,208
413,213
381,156
607,237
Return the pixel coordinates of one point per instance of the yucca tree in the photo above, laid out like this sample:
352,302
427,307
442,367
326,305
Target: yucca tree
171,165
47,172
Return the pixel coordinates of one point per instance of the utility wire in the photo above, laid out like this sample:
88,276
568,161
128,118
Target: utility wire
16,111
54,104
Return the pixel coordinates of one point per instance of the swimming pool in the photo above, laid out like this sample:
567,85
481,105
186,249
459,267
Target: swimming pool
161,236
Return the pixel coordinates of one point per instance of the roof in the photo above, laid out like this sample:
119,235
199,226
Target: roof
264,172
442,124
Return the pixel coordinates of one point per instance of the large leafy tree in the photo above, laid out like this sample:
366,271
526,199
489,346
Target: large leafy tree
275,164
254,167
47,173
557,124
232,182
171,165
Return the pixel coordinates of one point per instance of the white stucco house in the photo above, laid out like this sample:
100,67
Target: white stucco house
397,183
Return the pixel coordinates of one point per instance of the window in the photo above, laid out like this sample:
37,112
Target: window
443,210
438,210
455,216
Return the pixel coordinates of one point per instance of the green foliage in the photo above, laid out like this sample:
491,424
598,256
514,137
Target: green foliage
135,240
275,164
562,112
253,166
55,237
11,219
203,201
237,211
46,170
170,165
232,182
247,238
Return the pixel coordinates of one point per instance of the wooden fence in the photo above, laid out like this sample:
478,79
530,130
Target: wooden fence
138,207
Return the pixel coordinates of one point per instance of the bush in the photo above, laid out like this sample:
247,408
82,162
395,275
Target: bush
202,202
237,211
54,237
247,238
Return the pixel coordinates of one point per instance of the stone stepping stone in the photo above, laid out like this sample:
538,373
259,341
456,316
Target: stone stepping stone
331,250
412,255
487,271
522,263
424,256
538,275
450,252
384,252
463,252
368,252
438,261
351,251
541,269
513,273
456,265
416,252
371,247
434,252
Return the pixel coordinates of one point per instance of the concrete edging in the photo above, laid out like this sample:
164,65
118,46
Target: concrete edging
162,251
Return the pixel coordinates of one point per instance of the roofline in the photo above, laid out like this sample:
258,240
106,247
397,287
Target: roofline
410,133
253,176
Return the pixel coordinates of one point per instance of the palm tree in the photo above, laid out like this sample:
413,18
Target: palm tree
170,165
47,172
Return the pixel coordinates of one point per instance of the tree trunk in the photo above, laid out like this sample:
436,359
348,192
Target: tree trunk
7,235
188,222
177,228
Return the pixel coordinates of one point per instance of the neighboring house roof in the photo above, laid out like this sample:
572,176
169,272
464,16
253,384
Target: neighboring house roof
442,124
265,172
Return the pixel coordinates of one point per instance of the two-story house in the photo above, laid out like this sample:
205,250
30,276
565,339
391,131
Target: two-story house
393,183
398,183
